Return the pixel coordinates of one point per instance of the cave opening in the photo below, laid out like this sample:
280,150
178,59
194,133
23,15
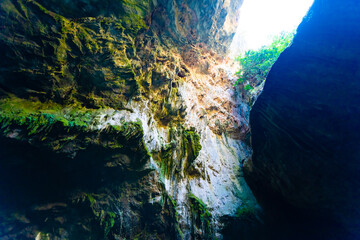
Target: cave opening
261,20
264,31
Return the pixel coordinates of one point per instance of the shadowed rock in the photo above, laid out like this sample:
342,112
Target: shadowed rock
305,129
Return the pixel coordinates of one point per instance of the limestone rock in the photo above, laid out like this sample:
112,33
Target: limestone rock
127,117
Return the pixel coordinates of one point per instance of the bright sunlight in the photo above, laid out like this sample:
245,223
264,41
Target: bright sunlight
261,20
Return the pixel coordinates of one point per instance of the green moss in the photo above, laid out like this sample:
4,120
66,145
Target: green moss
191,146
135,13
198,205
35,117
107,221
91,200
79,59
200,216
172,205
187,152
165,159
56,127
105,218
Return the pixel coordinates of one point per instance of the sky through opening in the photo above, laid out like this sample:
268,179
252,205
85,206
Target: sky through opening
260,20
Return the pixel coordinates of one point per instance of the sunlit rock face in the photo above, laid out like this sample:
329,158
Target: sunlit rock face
120,121
305,129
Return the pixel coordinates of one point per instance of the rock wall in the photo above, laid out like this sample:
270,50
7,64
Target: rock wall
304,127
120,121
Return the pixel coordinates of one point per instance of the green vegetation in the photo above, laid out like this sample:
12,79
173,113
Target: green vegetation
105,218
34,117
167,162
191,146
200,216
256,64
188,152
107,221
164,159
172,205
91,199
54,126
82,59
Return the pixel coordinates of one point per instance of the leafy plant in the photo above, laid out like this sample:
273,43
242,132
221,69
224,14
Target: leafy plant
248,87
256,64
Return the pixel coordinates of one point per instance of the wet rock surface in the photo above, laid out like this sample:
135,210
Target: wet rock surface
305,129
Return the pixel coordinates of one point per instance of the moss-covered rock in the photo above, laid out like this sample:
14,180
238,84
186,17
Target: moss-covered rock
201,219
69,60
83,176
67,130
103,191
192,147
176,158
